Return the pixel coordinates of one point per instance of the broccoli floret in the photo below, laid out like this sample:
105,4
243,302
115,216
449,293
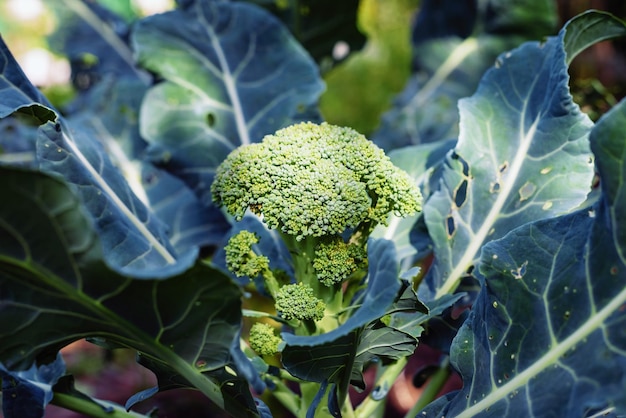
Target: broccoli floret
314,180
263,340
336,260
298,301
241,259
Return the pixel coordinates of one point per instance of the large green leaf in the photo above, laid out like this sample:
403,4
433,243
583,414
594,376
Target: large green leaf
134,240
132,237
546,336
55,289
18,94
222,86
26,393
589,28
522,155
454,43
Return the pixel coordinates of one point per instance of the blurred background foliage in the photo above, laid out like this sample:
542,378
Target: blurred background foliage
360,88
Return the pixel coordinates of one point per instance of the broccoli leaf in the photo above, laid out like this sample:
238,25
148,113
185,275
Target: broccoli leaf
57,289
421,162
454,43
96,41
348,355
18,94
380,343
546,334
111,117
222,86
590,28
134,240
17,142
26,393
520,157
324,362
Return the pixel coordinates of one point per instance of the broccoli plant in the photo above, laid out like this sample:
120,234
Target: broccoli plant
200,202
323,189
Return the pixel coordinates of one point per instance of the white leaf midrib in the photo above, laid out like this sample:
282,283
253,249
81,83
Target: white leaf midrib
104,186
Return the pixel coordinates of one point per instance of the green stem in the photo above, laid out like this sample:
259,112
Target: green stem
432,389
369,406
195,377
286,397
91,408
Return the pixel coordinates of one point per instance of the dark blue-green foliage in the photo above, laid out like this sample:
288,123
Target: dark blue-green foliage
454,43
550,313
106,214
26,393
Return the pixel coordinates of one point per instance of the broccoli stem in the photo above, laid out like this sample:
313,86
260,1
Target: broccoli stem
303,253
271,284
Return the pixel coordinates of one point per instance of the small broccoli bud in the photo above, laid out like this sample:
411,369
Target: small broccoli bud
314,180
297,301
337,260
241,259
263,340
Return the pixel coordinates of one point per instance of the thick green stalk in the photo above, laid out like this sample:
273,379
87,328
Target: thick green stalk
370,405
286,397
432,389
91,409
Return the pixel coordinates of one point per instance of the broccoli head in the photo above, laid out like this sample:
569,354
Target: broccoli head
336,260
298,301
263,340
241,259
314,180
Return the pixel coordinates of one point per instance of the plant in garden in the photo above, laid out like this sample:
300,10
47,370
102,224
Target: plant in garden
192,204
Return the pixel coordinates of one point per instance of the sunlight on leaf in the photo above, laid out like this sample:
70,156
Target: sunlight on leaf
520,157
560,324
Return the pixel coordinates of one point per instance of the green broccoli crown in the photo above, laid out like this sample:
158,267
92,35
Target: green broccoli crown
298,301
263,340
241,259
336,260
314,180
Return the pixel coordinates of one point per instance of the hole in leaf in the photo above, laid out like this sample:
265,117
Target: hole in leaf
520,271
464,164
451,227
149,178
494,187
460,194
503,167
210,119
